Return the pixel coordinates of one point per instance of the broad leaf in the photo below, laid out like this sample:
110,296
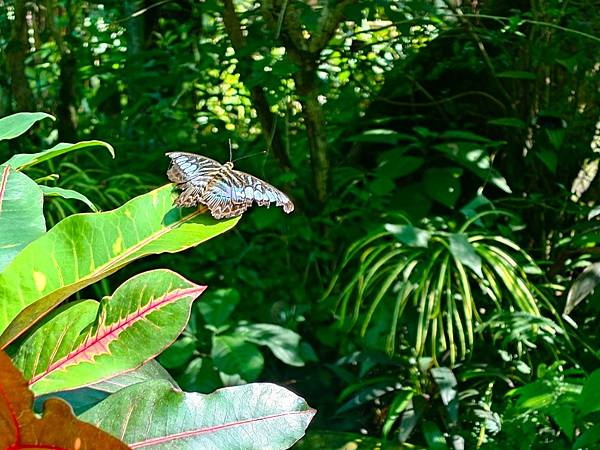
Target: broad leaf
82,399
584,285
217,305
84,248
589,400
20,428
409,235
254,416
21,213
144,315
233,356
54,191
476,159
465,253
443,184
325,439
25,160
17,124
283,342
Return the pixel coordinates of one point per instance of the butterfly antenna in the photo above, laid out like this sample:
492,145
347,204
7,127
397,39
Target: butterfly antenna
230,151
264,152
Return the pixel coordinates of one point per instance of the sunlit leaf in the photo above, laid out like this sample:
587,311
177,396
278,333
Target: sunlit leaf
17,124
25,160
251,417
21,213
54,191
143,316
84,248
20,428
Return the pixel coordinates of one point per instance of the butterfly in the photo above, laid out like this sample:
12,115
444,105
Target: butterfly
224,191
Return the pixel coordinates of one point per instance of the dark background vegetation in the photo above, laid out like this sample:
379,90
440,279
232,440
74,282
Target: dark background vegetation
366,113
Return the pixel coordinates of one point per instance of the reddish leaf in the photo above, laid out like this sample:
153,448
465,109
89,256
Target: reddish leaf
57,429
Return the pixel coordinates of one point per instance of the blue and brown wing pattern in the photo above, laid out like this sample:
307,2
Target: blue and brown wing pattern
226,192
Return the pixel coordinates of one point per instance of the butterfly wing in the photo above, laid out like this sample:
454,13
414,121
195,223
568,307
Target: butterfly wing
222,195
191,173
255,189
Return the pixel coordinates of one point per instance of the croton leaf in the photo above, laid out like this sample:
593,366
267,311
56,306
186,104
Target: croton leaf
21,213
88,341
253,416
20,428
84,248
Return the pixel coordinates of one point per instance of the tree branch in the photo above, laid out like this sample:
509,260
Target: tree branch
267,119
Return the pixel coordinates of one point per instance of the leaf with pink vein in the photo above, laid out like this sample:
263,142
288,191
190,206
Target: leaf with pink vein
86,342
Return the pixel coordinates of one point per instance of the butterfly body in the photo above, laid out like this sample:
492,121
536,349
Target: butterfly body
224,191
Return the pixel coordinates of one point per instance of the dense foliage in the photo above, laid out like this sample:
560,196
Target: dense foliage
435,284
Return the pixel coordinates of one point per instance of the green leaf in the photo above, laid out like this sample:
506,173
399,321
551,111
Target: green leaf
409,235
233,356
82,399
381,136
517,74
283,342
443,185
434,437
397,407
21,214
587,437
476,159
17,124
84,248
508,122
589,400
25,160
179,353
54,191
549,158
464,136
217,305
392,165
446,381
583,286
143,316
251,417
463,251
325,439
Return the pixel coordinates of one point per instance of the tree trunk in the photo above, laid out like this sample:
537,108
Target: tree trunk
16,52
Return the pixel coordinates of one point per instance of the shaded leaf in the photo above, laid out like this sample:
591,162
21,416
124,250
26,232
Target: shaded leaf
21,213
254,416
283,342
589,400
217,305
464,252
233,356
57,428
443,185
409,235
582,287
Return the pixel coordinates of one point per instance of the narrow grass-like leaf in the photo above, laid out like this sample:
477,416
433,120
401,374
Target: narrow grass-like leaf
251,417
25,160
55,191
85,248
21,213
143,317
